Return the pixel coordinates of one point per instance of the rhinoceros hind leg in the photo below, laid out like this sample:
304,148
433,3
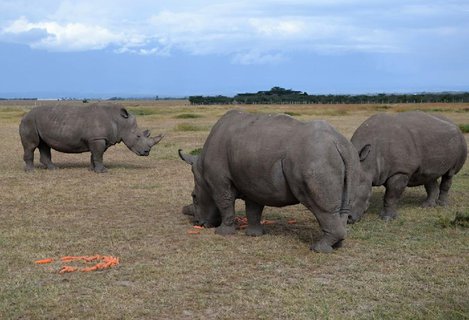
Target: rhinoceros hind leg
432,194
395,186
254,215
46,157
445,185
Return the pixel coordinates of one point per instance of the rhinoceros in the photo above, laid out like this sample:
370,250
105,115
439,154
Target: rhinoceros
276,160
410,149
78,129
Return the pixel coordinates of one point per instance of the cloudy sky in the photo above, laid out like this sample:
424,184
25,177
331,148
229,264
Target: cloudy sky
176,48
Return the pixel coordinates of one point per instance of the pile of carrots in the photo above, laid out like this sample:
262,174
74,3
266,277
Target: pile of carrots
105,262
240,222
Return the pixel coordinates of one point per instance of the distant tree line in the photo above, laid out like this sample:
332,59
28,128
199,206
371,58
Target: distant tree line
278,95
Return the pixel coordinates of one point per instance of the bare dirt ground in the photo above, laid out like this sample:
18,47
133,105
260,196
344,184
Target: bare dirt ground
414,267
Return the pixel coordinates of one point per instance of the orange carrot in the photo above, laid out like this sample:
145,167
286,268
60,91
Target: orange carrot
193,232
106,262
197,227
65,269
44,261
291,221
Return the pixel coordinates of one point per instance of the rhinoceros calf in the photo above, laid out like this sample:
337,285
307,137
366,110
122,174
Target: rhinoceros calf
410,149
79,129
276,161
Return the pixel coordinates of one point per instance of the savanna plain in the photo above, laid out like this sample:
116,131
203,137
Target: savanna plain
415,267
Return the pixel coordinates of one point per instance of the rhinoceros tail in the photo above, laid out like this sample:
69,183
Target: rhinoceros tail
345,207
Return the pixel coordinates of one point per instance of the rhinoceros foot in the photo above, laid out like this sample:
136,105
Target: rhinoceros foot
388,214
225,230
51,166
321,247
98,169
443,203
255,231
428,204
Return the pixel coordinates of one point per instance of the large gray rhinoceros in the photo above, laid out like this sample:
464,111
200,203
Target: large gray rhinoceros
410,149
78,129
275,160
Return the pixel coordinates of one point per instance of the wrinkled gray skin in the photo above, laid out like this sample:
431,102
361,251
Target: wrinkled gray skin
79,129
276,161
410,149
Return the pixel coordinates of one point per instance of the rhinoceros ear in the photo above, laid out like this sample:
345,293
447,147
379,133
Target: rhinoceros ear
363,153
124,113
190,159
146,133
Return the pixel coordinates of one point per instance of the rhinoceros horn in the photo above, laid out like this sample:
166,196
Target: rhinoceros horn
155,139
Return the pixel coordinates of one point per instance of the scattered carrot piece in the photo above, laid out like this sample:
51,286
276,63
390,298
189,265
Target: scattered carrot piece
66,269
197,227
193,232
241,222
291,221
268,222
44,261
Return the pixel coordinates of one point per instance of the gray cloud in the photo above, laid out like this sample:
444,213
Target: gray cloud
256,31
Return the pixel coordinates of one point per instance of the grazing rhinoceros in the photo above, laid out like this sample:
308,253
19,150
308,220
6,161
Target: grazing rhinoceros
79,129
410,149
275,160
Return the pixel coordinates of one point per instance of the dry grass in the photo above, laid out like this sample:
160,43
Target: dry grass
414,267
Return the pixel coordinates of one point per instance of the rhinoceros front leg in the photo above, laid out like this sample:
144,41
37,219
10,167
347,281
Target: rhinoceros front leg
224,198
97,148
46,157
333,226
30,143
254,215
432,194
445,185
395,186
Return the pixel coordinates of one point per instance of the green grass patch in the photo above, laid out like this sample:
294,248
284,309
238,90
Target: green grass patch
292,114
330,112
12,113
464,127
142,111
382,107
196,152
188,127
188,116
461,219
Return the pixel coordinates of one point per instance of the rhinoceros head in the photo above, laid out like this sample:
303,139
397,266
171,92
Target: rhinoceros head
140,142
362,190
204,210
